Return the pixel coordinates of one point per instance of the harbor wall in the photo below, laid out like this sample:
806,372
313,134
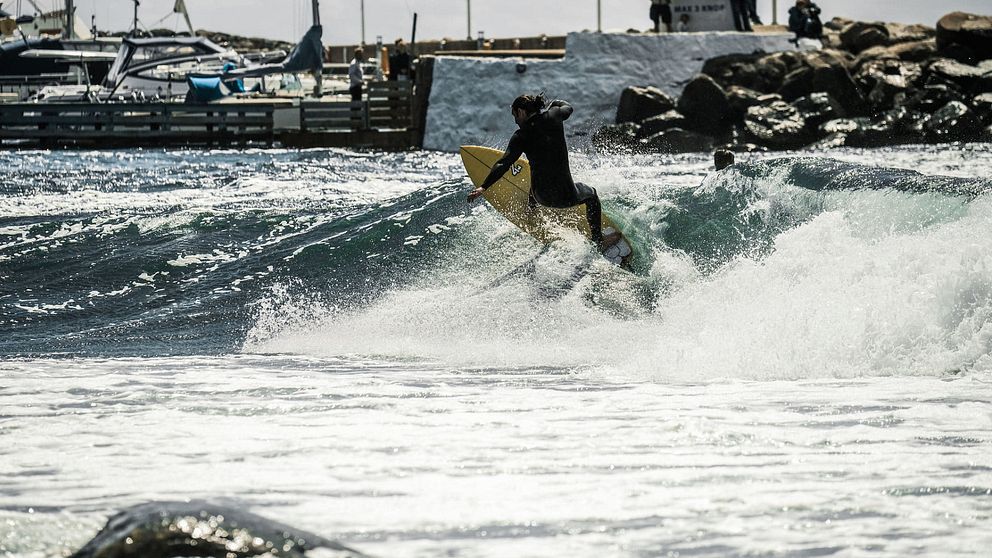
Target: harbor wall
470,97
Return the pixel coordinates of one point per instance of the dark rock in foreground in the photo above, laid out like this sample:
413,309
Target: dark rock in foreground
174,529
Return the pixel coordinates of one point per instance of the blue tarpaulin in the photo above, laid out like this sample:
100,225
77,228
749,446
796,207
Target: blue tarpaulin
203,89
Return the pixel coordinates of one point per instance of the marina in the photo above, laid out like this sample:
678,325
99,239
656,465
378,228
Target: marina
479,279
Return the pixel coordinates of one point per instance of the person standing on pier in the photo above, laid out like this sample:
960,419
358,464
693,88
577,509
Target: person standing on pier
666,15
752,5
356,76
741,11
661,12
399,62
655,14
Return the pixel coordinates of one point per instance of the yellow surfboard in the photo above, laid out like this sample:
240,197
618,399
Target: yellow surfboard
510,194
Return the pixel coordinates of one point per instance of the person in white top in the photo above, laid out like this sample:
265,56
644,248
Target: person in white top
355,75
683,24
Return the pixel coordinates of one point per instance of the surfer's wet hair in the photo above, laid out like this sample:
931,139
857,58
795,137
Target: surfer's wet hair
530,103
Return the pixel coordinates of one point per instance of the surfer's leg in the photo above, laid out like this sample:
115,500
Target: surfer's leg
594,210
594,214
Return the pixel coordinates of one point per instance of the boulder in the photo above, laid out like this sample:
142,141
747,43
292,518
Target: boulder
841,126
677,140
930,98
832,141
613,136
968,30
831,75
953,122
734,69
985,136
837,23
977,79
961,53
904,33
983,107
766,73
778,125
797,83
741,99
861,35
831,39
885,79
660,123
915,51
705,106
889,128
818,108
638,103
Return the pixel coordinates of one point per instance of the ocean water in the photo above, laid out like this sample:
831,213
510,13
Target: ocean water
800,363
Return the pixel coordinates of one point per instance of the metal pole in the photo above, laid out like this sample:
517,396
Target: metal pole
774,12
468,33
413,36
363,22
318,75
69,20
599,16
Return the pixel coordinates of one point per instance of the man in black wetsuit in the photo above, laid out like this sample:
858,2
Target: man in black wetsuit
542,137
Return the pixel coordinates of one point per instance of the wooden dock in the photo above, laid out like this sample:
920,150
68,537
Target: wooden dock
384,119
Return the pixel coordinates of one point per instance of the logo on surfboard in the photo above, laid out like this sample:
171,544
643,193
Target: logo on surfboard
516,169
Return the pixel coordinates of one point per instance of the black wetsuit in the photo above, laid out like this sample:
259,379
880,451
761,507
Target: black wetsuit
542,138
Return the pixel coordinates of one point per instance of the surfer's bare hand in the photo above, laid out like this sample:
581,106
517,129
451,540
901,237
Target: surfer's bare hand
475,194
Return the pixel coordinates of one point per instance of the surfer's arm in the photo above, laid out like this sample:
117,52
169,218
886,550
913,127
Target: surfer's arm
560,110
513,152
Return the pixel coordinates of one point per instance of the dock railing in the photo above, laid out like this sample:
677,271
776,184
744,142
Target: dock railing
388,105
135,123
384,118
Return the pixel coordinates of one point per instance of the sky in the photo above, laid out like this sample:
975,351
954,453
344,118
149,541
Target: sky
289,19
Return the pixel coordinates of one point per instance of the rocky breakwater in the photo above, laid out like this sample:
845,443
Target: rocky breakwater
872,84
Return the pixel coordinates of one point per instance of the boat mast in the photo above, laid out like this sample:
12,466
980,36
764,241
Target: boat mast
134,28
180,8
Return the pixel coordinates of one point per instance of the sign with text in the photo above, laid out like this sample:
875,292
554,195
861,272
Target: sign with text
704,15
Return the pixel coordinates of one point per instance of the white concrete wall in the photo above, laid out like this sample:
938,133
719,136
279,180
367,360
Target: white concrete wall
470,98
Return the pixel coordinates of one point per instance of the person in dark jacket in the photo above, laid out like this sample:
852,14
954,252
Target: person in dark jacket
804,20
399,62
541,136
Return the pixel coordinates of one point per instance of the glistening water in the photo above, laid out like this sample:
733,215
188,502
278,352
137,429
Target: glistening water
799,364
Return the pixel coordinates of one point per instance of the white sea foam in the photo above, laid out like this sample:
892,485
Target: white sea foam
873,283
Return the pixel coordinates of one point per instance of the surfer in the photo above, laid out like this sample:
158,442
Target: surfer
542,137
